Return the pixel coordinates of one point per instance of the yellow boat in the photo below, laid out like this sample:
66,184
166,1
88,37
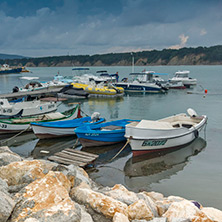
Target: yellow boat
100,89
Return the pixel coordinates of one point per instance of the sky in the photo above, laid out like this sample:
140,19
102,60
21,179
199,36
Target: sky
39,28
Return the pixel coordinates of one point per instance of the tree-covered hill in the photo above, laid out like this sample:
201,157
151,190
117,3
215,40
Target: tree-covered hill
184,56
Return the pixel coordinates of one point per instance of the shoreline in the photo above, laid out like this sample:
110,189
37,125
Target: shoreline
40,190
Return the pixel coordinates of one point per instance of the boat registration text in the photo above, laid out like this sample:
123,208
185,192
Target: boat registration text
154,142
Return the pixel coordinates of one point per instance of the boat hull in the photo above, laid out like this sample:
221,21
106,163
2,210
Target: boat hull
152,140
96,143
137,87
10,71
60,129
17,125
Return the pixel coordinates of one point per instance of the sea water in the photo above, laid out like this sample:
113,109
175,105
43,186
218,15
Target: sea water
194,172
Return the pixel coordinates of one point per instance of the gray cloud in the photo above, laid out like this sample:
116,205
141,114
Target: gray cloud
58,27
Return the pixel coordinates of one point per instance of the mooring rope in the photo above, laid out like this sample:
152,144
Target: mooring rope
76,143
120,150
5,141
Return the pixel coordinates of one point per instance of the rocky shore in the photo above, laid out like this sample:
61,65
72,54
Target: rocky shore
43,191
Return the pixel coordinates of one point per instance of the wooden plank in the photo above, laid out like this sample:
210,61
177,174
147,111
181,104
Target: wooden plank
65,161
82,152
64,155
78,155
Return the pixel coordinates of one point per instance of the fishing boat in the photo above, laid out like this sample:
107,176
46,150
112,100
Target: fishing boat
183,76
30,108
15,125
141,82
171,132
6,69
44,130
102,134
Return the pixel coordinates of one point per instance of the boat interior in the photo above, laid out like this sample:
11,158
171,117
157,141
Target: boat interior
177,121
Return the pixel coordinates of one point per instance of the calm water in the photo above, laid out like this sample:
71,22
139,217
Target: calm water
194,172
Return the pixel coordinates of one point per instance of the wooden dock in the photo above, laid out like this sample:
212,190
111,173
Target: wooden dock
71,156
42,92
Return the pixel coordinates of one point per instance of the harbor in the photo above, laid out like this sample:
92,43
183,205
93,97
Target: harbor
171,178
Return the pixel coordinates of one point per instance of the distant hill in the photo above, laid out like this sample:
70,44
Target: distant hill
8,56
184,56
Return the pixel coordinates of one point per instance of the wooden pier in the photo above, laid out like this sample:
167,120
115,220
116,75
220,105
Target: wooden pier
42,92
71,156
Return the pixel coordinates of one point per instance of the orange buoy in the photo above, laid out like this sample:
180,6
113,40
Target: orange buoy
205,91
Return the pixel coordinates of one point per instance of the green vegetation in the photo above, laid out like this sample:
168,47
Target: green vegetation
184,56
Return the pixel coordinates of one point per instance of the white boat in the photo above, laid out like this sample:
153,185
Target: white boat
168,84
183,76
141,82
30,108
171,132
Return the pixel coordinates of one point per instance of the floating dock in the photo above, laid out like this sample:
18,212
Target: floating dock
42,92
71,156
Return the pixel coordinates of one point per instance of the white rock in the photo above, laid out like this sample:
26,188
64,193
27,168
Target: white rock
139,211
99,202
6,206
118,217
187,210
149,202
7,158
213,213
154,195
120,193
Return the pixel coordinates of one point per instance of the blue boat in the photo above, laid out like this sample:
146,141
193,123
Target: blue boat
103,134
45,130
5,69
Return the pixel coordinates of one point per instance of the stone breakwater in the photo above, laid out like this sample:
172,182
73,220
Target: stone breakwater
39,191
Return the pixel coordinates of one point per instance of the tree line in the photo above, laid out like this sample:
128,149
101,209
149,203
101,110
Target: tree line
191,56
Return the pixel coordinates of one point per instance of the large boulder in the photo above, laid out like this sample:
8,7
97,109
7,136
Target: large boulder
120,193
140,211
75,174
99,202
6,202
47,199
7,156
187,210
213,213
24,172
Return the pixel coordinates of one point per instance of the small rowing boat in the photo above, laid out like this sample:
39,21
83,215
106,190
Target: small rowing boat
102,134
44,130
16,125
171,132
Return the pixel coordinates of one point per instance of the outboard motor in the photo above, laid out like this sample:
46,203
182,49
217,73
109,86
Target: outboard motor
95,117
15,89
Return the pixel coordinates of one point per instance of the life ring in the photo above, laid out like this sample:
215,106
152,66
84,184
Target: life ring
196,133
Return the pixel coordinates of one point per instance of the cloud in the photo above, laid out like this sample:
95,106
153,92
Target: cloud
55,27
203,32
183,41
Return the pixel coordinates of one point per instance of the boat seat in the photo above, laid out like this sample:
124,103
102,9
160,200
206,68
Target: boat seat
111,127
150,124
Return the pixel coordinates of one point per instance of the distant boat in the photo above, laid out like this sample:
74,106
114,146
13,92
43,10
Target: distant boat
6,69
141,82
183,76
168,133
102,134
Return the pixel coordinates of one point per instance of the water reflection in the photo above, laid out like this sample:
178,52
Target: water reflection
46,148
141,172
106,153
21,144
